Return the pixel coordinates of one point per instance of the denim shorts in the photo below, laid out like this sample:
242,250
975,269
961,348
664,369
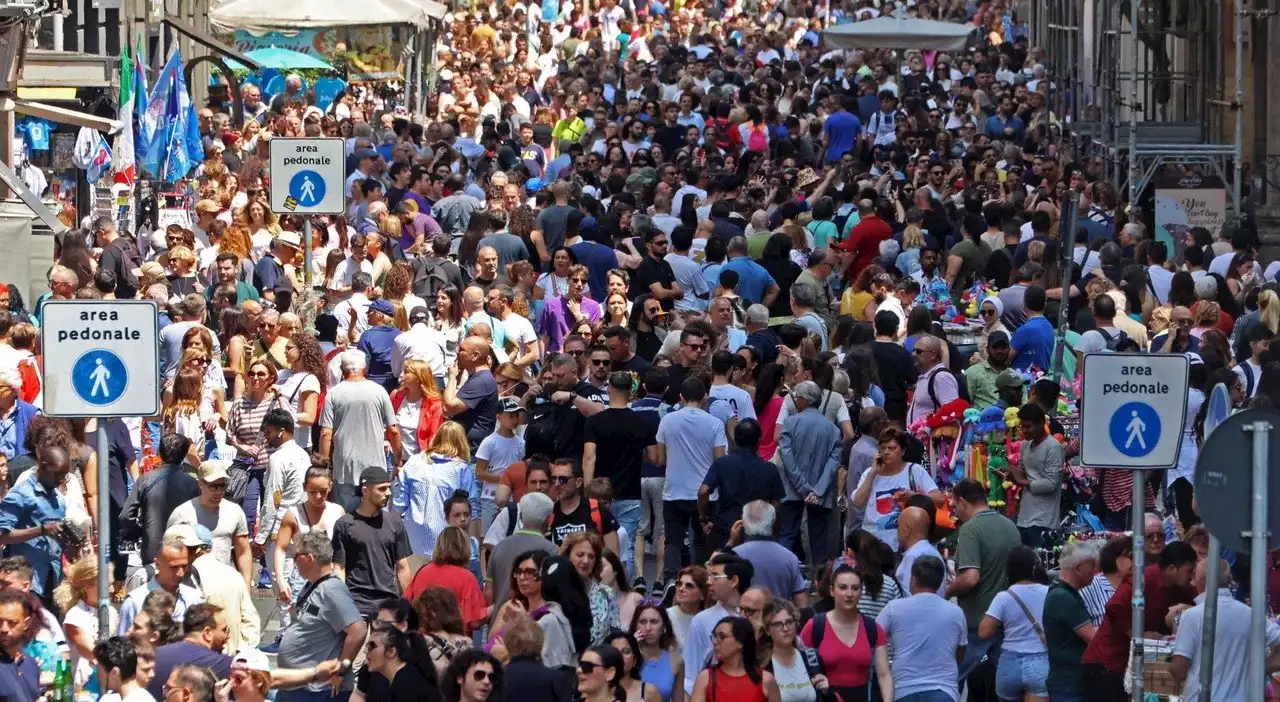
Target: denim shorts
1021,673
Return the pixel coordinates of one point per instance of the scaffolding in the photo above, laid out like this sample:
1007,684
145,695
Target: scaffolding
1144,94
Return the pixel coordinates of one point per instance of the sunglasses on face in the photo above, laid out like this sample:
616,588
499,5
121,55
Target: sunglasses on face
588,667
531,573
482,675
575,353
217,487
599,361
561,479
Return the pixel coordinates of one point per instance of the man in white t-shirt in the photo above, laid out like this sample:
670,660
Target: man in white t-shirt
223,518
518,329
286,473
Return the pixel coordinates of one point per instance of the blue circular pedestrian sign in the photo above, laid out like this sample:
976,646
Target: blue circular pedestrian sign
307,187
99,377
1135,429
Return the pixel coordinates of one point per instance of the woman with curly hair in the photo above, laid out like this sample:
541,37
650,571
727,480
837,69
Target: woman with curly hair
77,598
418,406
302,382
235,240
263,226
441,622
396,286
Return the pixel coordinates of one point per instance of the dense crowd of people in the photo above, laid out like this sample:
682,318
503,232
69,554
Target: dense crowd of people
613,383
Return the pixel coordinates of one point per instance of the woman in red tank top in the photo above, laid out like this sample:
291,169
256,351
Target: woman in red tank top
735,677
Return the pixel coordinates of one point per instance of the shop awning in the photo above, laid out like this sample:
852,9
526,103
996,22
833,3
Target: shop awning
63,115
309,14
211,42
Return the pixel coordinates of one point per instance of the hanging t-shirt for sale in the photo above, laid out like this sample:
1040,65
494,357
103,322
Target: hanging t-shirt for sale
35,132
882,511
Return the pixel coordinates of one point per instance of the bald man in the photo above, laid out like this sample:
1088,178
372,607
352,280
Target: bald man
936,385
913,540
473,311
473,403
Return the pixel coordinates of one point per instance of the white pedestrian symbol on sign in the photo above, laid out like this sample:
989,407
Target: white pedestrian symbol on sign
308,190
1136,428
100,375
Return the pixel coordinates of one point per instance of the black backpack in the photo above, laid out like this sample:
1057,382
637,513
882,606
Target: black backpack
1113,342
429,278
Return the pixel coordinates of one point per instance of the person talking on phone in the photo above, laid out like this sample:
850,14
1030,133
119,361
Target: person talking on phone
887,484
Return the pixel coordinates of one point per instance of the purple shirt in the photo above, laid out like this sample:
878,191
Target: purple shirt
420,224
554,323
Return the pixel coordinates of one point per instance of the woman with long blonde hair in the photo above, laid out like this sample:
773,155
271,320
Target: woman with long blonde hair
427,481
77,598
182,407
418,405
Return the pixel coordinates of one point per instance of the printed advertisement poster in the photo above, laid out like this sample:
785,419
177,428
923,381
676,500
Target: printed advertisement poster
312,42
1184,202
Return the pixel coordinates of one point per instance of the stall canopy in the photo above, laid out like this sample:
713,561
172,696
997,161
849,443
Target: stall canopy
262,15
899,33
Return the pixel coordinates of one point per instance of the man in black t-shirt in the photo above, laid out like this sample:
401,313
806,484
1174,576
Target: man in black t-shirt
371,546
654,275
573,513
557,410
616,443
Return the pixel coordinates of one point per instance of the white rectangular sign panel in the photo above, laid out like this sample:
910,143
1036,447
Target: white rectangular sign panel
101,358
1133,410
308,175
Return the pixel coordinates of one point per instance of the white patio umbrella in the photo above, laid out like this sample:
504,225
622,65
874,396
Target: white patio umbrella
902,32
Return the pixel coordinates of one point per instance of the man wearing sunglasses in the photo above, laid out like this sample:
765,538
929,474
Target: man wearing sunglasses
222,517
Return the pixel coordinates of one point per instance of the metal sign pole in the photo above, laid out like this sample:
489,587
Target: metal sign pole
1210,628
306,251
1139,518
1218,409
104,534
1258,563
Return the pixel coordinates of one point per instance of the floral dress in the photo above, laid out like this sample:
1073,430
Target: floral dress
604,611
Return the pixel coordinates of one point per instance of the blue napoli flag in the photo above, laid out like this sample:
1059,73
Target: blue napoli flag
174,145
155,116
142,138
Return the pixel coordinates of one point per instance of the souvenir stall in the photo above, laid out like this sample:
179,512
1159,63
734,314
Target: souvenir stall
379,43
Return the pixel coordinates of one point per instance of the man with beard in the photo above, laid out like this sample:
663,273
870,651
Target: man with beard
694,345
371,545
574,512
985,378
558,411
648,325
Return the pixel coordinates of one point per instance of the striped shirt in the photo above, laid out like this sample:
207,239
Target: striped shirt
244,423
1095,596
889,592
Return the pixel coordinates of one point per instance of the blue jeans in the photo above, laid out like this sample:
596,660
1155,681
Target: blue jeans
927,696
1020,673
627,512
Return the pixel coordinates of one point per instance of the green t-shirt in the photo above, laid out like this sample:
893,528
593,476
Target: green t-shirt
973,257
756,243
1064,612
984,542
823,231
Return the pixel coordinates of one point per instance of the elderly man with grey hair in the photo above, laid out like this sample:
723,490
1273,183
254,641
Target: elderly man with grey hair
803,297
326,622
358,413
775,567
534,510
1065,620
760,336
809,447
